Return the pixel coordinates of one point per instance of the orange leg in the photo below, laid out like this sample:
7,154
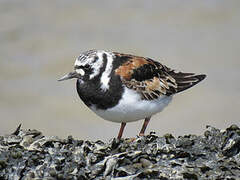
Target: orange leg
144,126
123,124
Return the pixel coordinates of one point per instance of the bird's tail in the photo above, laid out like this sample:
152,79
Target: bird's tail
186,80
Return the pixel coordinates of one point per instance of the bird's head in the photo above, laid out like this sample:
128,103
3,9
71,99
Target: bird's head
88,65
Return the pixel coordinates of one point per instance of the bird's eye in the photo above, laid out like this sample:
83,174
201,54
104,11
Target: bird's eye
87,66
95,58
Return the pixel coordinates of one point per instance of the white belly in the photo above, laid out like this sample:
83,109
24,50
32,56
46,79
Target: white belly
133,108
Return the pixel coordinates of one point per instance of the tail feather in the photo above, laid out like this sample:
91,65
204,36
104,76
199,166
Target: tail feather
186,80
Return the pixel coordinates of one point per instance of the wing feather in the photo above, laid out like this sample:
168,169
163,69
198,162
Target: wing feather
152,79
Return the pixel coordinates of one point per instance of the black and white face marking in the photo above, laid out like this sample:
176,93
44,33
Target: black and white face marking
90,63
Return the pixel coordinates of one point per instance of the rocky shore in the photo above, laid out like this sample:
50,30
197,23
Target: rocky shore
28,154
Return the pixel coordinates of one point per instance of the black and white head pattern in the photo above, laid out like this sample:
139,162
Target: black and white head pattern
95,64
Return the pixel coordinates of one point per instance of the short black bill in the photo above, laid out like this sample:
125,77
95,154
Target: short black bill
69,76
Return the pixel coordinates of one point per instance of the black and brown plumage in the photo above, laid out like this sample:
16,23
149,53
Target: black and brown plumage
152,79
124,88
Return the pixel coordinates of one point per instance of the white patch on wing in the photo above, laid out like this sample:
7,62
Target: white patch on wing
132,108
106,74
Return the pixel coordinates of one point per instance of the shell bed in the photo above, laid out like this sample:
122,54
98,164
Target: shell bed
27,154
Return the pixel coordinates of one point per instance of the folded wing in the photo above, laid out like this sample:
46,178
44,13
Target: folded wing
152,79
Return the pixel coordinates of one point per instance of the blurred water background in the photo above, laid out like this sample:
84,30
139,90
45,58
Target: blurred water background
39,41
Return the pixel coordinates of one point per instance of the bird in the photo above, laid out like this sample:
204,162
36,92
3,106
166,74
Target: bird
123,88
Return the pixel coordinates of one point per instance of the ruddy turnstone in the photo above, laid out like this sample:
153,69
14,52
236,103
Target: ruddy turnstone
123,88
